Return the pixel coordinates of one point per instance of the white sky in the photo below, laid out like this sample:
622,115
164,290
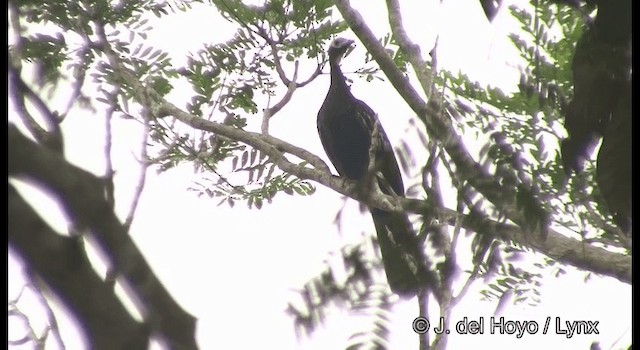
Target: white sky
235,269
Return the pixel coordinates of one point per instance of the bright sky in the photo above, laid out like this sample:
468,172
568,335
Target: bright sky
236,269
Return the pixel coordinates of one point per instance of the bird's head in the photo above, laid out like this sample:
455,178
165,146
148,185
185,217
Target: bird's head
339,48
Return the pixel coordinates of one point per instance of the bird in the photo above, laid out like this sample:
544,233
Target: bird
346,126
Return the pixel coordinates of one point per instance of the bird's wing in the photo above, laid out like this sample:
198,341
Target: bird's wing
387,163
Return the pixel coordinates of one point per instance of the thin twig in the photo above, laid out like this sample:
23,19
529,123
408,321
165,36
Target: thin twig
465,288
278,64
142,177
108,143
311,77
79,73
15,52
443,291
276,57
462,202
423,306
14,311
51,317
271,111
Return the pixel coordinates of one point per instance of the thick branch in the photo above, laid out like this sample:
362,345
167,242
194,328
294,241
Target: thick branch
561,248
378,52
411,50
62,263
557,246
82,195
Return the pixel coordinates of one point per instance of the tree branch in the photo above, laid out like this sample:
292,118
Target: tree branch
411,50
61,262
81,194
292,84
19,90
276,58
144,165
271,111
38,286
423,307
108,146
278,65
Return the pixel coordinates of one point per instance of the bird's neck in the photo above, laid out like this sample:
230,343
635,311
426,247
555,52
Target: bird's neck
338,81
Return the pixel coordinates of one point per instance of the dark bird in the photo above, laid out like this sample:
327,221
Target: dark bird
601,108
346,126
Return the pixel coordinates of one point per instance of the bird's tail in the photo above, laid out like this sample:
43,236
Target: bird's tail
402,254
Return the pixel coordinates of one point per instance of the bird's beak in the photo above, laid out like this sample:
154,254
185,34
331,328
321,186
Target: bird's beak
350,49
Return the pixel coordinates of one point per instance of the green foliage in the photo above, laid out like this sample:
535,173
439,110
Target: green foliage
508,279
547,42
231,73
260,186
376,306
48,53
358,289
229,79
301,27
522,125
76,16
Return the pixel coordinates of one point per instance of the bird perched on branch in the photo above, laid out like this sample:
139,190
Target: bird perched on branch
347,128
